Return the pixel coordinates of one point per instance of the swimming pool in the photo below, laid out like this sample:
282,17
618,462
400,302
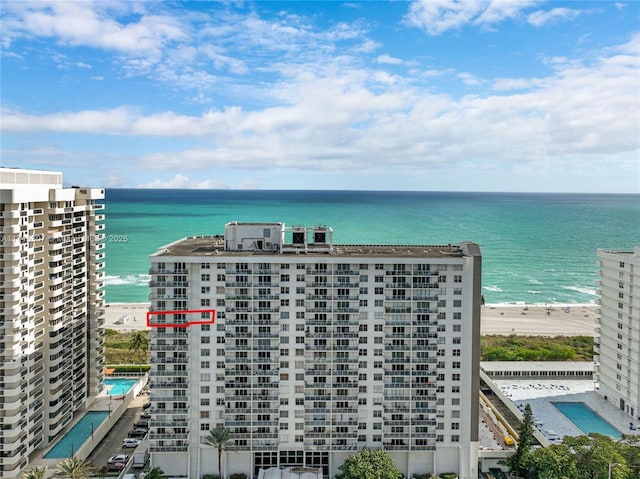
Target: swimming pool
118,386
77,435
586,419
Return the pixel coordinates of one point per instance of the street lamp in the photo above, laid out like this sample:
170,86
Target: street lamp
611,464
92,430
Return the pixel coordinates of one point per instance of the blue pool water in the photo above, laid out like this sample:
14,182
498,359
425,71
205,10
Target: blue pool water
77,435
586,419
118,386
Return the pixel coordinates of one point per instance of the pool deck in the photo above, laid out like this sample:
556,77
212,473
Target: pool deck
103,402
541,393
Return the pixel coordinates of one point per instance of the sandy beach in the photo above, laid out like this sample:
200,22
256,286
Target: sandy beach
555,320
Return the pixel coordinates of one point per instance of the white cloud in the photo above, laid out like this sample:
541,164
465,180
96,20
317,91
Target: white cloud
368,46
504,84
355,120
498,10
389,60
182,182
438,16
469,79
541,18
91,24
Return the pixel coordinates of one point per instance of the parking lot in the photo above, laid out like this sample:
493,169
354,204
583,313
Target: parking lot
112,443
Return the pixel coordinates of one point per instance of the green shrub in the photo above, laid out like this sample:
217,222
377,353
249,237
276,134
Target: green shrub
211,476
448,475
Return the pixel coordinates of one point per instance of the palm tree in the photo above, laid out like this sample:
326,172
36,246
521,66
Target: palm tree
74,468
35,473
155,473
219,438
139,344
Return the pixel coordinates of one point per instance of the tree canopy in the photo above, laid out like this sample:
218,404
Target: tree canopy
582,457
35,473
520,460
74,468
369,464
155,473
219,438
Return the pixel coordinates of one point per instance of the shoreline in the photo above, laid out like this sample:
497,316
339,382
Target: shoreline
496,319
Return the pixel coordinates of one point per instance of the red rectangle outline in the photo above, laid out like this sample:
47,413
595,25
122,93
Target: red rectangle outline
211,320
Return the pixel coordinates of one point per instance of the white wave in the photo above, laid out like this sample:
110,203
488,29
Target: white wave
493,288
133,279
522,304
531,291
580,289
535,281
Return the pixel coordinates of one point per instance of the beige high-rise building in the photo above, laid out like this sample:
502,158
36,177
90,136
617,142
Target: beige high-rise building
617,345
317,350
51,309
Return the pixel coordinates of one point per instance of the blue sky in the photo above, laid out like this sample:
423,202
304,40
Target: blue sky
428,95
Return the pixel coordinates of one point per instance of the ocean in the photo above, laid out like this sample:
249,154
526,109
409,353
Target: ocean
537,248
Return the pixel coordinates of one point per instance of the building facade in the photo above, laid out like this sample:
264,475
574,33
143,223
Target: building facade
617,347
51,309
317,350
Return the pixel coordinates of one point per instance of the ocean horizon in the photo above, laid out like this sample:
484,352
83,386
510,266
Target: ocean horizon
538,248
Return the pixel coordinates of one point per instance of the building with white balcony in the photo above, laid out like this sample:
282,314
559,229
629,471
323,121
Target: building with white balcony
617,346
317,350
51,309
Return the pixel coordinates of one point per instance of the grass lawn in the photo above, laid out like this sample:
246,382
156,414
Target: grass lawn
492,348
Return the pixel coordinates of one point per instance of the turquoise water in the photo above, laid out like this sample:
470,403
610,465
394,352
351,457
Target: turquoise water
537,248
118,386
77,435
586,419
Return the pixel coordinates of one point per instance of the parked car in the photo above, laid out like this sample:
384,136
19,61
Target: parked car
130,442
146,405
142,423
138,432
116,466
145,415
118,458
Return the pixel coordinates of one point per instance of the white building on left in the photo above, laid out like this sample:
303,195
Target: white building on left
51,309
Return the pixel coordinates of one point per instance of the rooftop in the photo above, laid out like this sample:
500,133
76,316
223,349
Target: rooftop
214,245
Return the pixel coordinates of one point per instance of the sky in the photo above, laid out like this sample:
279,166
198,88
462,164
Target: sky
436,95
